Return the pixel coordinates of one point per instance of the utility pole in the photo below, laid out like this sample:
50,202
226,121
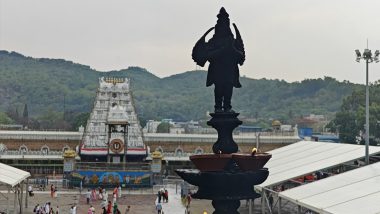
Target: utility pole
367,56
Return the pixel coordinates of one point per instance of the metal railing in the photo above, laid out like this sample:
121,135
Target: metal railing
31,152
203,138
40,135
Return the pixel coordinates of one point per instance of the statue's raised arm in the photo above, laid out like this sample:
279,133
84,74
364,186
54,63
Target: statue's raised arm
199,53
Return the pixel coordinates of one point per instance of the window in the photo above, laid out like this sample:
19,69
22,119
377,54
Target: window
3,148
23,150
179,152
114,95
45,150
198,151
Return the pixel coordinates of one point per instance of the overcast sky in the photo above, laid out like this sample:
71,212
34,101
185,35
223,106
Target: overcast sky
290,40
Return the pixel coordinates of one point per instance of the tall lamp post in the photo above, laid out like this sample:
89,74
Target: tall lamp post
367,56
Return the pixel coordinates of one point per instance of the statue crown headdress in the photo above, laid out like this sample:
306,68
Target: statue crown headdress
222,14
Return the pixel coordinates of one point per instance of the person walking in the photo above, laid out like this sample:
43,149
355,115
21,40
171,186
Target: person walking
55,194
119,191
159,208
47,207
114,198
115,209
166,194
159,195
75,209
104,198
109,207
37,208
92,208
104,210
52,190
188,201
101,193
93,195
127,211
115,191
88,196
30,190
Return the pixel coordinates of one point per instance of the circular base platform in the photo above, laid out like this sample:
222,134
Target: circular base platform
224,185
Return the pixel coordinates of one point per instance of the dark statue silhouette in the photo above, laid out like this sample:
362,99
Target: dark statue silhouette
222,176
224,52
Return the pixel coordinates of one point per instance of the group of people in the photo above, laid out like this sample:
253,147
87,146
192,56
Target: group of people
30,189
163,195
47,208
109,209
102,194
108,206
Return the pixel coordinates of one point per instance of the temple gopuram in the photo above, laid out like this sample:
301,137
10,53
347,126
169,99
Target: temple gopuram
113,132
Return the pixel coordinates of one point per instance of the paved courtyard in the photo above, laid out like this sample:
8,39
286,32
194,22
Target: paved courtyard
141,202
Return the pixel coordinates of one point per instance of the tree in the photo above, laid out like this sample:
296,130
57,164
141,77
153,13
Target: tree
79,120
41,82
350,120
4,119
25,116
163,127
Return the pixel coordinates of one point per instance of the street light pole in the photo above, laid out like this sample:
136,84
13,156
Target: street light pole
366,116
367,56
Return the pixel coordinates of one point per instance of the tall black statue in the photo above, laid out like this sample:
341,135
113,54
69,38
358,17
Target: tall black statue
224,52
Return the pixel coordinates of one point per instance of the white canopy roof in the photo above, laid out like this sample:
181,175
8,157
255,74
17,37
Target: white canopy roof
306,157
12,176
355,191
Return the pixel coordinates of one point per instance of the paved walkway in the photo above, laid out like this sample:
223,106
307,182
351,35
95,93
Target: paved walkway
174,206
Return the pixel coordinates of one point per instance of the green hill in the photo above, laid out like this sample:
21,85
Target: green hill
44,84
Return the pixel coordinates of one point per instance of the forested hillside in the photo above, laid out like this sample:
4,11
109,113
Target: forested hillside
48,86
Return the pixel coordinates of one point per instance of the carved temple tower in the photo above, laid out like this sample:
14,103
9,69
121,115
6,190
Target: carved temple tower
113,132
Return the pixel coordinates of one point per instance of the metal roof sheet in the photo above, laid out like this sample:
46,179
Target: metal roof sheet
11,175
306,157
355,191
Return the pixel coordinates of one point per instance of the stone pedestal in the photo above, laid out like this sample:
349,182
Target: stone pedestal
226,206
222,180
224,188
224,123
